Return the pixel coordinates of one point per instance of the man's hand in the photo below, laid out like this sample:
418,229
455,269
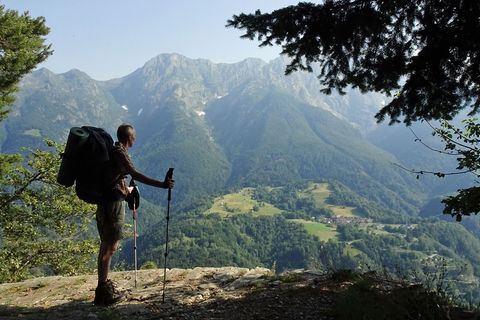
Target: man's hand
168,184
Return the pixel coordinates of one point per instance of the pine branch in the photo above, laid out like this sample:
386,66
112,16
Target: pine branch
430,148
448,139
436,173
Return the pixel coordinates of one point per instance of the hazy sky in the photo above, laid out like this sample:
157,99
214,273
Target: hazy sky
111,38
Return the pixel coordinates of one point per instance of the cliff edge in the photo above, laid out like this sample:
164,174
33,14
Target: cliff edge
228,293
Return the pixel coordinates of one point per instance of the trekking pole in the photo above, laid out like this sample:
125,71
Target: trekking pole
135,238
168,176
133,200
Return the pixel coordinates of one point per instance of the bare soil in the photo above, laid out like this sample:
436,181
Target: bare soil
228,293
200,293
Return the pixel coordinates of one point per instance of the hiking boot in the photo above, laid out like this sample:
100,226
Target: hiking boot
107,294
112,286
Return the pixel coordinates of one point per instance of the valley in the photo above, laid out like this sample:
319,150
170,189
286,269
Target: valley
269,172
323,227
410,249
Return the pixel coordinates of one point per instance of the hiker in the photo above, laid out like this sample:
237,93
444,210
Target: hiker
110,214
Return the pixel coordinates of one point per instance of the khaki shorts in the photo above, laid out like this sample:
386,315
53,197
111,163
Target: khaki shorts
110,217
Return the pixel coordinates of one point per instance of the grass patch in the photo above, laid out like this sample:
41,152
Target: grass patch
375,228
319,192
290,277
342,211
241,202
32,132
320,230
351,251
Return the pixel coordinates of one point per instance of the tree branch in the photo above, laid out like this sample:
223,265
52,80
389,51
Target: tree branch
18,192
448,139
430,148
438,173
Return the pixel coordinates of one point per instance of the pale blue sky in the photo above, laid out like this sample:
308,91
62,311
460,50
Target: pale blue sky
111,38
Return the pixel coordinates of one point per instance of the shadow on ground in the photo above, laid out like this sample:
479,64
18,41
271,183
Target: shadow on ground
211,295
260,303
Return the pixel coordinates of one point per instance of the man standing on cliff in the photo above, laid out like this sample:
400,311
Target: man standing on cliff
110,214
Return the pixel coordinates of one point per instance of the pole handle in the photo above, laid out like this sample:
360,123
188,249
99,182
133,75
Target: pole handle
169,176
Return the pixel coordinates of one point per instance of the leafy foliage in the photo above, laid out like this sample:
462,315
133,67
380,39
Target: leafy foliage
240,240
427,51
42,224
375,296
465,144
22,47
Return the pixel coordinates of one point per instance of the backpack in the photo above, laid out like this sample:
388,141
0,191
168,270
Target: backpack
85,161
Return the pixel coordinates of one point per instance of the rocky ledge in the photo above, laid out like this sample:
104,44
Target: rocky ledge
227,293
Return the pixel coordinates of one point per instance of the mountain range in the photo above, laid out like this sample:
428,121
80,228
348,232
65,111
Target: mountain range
221,126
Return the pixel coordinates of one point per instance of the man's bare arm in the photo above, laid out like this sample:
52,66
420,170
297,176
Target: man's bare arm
138,176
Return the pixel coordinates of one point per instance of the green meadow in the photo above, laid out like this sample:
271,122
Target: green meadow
322,231
319,192
241,202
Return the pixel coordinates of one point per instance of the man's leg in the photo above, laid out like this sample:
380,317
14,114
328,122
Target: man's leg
105,254
106,293
110,217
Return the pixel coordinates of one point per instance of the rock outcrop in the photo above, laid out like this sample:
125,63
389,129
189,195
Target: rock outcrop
229,293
